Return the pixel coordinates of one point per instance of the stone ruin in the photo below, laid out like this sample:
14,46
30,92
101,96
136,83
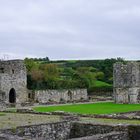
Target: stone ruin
60,96
127,82
13,82
13,87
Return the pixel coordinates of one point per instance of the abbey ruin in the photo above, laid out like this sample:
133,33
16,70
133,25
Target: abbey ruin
13,81
13,87
127,82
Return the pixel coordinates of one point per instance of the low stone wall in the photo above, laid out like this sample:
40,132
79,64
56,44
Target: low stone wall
108,136
46,96
73,131
52,131
88,129
11,137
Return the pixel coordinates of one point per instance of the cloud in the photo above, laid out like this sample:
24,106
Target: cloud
69,29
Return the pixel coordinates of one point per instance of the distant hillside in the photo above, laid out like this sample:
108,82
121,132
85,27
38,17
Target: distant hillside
44,73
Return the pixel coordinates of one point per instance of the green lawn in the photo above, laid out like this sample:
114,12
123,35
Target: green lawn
97,108
101,84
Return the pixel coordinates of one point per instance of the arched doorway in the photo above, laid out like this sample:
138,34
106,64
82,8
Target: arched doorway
12,96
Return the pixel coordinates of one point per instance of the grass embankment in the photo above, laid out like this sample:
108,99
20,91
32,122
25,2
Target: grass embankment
97,108
101,84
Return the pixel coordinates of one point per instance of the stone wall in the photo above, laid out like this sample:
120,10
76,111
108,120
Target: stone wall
13,77
45,96
73,131
52,131
127,82
108,136
2,106
88,129
102,93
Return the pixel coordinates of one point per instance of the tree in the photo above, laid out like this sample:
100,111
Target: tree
99,75
51,75
30,64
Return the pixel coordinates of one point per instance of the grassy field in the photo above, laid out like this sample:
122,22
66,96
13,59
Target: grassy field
97,108
101,84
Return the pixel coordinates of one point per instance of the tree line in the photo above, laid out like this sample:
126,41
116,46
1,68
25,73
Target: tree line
46,74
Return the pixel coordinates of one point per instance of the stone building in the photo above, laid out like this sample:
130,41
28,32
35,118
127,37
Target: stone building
127,82
13,81
46,96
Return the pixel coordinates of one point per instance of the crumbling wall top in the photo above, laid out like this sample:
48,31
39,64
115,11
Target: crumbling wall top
12,66
126,75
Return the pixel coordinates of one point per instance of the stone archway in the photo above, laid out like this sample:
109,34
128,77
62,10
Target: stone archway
12,96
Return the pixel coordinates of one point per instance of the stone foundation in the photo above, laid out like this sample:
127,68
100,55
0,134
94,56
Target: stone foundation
52,131
108,136
68,130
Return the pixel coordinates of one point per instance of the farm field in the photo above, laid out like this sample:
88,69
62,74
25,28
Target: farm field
96,108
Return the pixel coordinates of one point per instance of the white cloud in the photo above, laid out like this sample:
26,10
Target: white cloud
64,29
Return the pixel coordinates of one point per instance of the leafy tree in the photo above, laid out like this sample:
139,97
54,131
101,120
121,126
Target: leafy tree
30,63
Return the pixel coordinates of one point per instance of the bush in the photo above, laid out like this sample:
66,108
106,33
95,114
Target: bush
103,89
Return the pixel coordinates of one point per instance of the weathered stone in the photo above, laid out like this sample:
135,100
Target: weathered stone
13,81
108,136
58,96
127,82
72,130
89,129
52,131
4,136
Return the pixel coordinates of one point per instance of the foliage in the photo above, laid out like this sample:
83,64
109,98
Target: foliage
46,74
102,84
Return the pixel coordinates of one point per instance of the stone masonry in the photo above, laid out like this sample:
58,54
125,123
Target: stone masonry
127,82
13,81
69,130
45,96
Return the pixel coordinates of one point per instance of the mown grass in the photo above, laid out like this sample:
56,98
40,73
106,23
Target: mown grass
96,108
101,84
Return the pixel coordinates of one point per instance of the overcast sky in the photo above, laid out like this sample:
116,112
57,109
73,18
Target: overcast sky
70,29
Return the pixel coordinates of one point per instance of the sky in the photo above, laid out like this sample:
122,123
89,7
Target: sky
70,29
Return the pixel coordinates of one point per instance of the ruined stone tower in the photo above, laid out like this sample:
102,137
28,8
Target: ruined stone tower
127,82
13,81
